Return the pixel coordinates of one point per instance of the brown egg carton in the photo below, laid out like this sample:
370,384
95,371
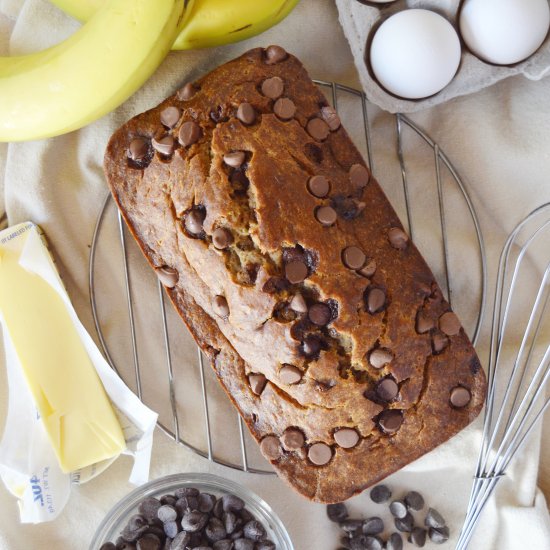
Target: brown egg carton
360,21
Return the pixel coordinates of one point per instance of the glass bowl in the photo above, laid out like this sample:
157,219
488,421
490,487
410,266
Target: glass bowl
117,518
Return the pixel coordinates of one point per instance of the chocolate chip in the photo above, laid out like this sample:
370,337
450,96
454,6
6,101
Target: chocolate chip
186,492
346,438
108,546
193,521
347,208
270,447
311,346
292,439
221,307
190,132
170,116
215,530
241,544
373,543
359,176
206,502
234,159
232,503
439,536
273,87
395,542
405,524
318,186
460,397
171,529
264,545
373,526
296,271
351,526
423,323
353,257
418,537
330,116
187,92
257,383
313,152
398,509
168,499
275,284
326,215
181,540
380,357
254,530
449,324
298,304
439,342
318,129
387,389
246,113
398,238
284,108
230,521
319,314
274,54
149,541
168,276
320,454
337,512
434,519
380,494
289,374
390,420
222,238
414,500
376,300
164,145
224,544
369,269
148,508
194,220
138,149
167,513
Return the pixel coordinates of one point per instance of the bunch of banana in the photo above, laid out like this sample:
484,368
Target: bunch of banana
207,23
123,42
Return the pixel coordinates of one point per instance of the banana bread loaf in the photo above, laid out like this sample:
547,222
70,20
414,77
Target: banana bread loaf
292,271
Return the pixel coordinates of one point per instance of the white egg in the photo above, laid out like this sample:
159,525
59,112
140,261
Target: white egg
504,31
415,53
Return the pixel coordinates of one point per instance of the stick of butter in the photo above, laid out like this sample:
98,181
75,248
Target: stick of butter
37,316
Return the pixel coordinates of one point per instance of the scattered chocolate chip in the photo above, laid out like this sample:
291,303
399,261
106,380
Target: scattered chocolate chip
190,132
353,257
337,512
434,519
380,494
387,389
369,269
414,500
273,87
284,108
292,439
170,116
246,113
440,535
449,324
187,92
439,342
423,323
235,159
318,129
222,238
326,215
318,186
298,304
380,357
373,543
274,54
376,300
296,271
346,438
460,397
289,374
320,454
168,276
320,314
194,220
418,536
257,382
221,307
405,524
138,149
311,346
164,145
271,447
395,542
398,238
359,176
330,116
390,420
373,526
398,509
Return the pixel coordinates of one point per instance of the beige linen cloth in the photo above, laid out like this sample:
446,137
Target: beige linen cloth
498,139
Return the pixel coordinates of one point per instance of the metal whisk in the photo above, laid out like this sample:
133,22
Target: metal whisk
516,398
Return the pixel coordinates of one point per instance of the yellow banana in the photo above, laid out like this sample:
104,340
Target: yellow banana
208,23
69,85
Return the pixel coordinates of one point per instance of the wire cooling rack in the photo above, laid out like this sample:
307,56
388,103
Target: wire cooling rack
419,179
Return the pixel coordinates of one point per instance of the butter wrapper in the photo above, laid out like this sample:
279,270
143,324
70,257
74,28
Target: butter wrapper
34,456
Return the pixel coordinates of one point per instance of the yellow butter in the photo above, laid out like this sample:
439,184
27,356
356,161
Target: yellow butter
77,414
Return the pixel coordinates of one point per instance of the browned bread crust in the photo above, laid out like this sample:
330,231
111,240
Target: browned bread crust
237,300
